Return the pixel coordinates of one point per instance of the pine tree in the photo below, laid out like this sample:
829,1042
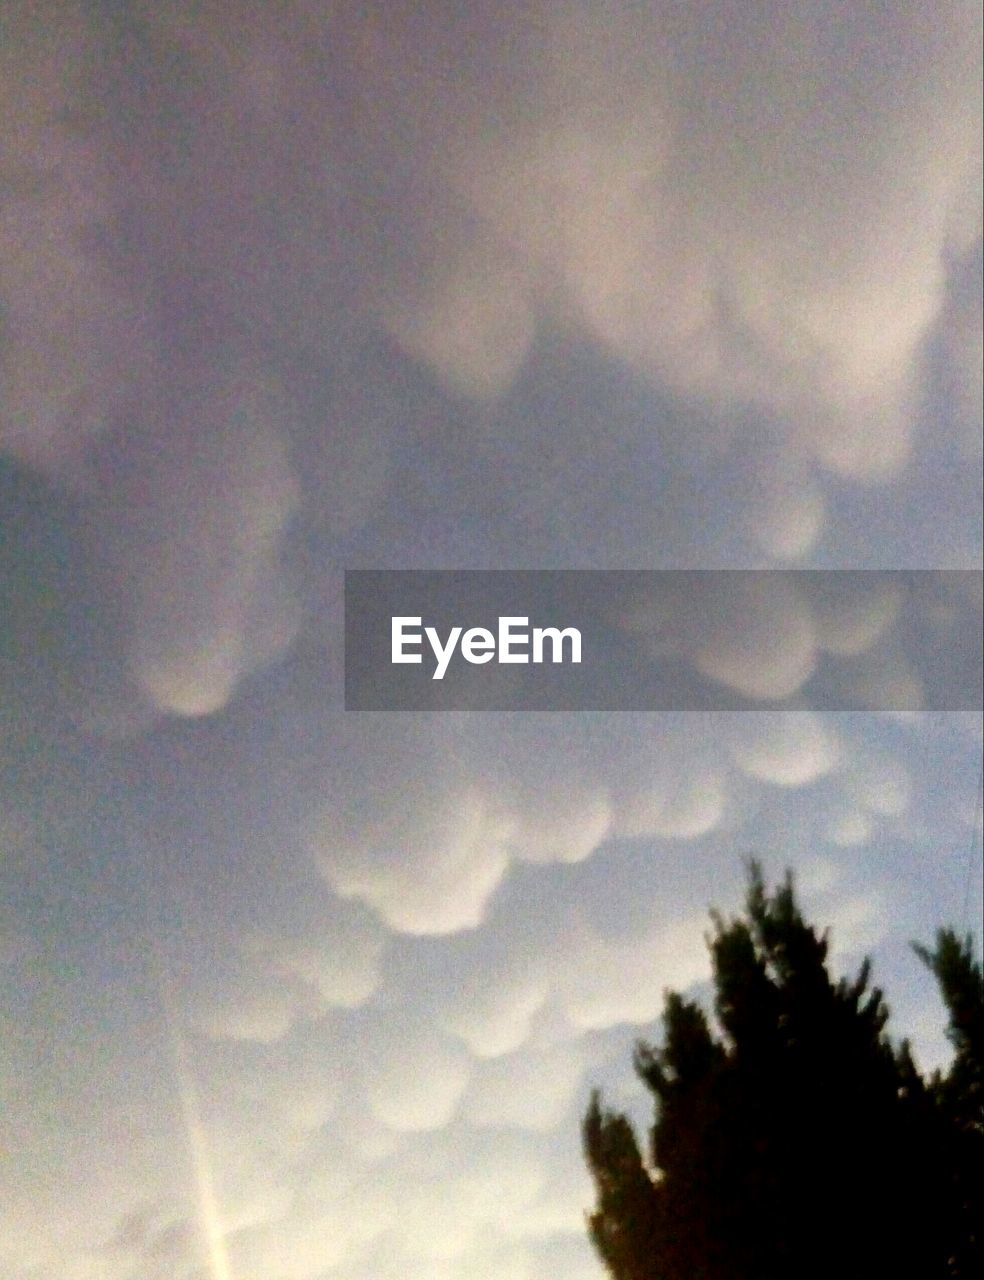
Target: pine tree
960,1096
793,1138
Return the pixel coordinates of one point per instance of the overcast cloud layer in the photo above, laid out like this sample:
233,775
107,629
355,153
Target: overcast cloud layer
295,994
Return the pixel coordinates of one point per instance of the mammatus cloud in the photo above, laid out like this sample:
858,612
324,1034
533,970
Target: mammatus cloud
346,1097
649,206
791,750
210,508
436,284
766,217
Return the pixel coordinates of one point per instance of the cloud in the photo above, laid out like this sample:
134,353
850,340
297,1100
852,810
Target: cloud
288,972
263,1016
790,750
613,980
533,1089
621,217
787,509
71,324
426,851
156,1242
209,515
850,828
492,1012
772,651
765,230
413,1077
466,797
881,784
531,284
955,341
482,1041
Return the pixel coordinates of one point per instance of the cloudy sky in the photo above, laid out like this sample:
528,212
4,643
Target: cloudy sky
290,993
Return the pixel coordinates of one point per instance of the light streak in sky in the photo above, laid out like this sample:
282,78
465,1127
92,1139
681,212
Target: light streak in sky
196,1135
209,1218
208,1206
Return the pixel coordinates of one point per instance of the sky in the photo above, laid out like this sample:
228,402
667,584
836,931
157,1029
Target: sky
294,993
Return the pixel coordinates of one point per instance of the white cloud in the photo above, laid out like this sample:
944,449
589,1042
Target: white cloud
791,749
413,1076
850,828
623,980
263,1016
206,608
880,783
492,1011
428,865
531,1089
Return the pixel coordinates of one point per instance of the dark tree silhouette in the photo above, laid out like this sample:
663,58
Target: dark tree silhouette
794,1139
960,1098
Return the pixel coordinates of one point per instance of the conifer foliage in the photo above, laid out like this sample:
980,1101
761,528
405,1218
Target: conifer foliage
792,1137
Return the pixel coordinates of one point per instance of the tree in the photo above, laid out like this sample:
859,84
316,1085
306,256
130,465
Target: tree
960,1096
794,1139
